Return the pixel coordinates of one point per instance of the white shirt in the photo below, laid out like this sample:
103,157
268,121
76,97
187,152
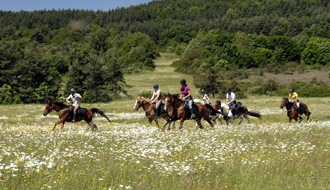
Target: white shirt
75,99
205,99
231,96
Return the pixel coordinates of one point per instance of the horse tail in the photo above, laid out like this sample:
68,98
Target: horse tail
95,110
254,114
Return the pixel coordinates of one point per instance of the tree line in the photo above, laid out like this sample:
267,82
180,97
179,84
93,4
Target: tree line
45,53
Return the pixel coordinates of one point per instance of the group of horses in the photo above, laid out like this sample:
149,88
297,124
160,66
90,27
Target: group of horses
176,109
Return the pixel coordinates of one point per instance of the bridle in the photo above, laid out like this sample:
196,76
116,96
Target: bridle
49,109
167,105
140,105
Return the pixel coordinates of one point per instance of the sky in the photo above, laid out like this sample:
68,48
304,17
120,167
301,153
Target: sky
31,5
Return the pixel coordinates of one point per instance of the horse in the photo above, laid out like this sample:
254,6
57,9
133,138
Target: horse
242,112
176,110
145,103
66,114
213,115
292,110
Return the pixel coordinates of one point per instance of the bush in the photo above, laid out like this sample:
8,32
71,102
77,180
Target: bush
146,94
149,63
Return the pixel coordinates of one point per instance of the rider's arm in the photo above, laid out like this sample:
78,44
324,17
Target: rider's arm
153,95
208,99
189,94
77,95
67,99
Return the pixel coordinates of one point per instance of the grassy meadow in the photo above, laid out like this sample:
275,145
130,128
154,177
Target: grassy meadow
129,154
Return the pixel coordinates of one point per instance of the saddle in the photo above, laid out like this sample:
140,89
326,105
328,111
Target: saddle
195,109
80,111
238,109
301,109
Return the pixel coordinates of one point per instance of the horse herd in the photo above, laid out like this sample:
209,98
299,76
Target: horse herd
175,109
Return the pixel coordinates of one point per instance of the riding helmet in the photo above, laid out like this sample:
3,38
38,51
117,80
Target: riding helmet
203,91
156,86
291,89
183,81
72,89
228,89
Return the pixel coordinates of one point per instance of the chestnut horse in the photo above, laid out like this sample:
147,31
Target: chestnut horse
242,112
176,111
293,110
145,103
65,114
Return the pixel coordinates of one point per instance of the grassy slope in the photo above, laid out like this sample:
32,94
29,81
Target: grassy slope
168,81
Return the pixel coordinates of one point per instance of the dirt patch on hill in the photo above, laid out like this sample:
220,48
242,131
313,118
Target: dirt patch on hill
286,79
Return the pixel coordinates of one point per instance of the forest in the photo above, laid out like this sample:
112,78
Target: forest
46,52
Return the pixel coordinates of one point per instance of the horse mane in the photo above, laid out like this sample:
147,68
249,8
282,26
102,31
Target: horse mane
145,100
60,104
176,96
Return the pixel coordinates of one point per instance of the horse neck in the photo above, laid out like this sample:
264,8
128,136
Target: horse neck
289,105
58,108
146,105
177,103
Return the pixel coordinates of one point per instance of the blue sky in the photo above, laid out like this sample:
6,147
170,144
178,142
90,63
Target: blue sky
31,5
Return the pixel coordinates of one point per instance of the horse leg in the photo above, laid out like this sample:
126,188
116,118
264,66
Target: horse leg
309,114
248,118
209,121
300,119
241,120
181,123
62,125
220,119
156,120
163,128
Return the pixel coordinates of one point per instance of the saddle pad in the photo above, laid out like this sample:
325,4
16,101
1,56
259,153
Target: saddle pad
194,109
301,110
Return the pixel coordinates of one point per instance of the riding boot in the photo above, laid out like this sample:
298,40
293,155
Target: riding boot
157,113
74,117
192,114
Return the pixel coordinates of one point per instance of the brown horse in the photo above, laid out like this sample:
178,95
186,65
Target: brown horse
176,111
241,112
66,113
293,110
145,103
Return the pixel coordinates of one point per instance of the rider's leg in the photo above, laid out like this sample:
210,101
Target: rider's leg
190,103
75,113
158,108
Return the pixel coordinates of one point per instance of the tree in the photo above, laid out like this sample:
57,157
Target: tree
207,80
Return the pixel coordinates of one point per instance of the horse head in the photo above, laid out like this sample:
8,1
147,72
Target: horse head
217,105
284,102
138,103
169,99
49,108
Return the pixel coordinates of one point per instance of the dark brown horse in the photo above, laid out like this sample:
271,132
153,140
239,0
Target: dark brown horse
145,103
176,111
65,113
241,112
293,110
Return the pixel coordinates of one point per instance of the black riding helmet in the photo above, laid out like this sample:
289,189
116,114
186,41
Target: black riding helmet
203,91
228,89
156,86
291,89
183,81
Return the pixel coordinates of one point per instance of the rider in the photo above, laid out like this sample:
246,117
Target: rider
293,97
75,102
230,99
185,92
205,97
156,99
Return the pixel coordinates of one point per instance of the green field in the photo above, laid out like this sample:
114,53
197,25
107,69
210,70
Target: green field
129,154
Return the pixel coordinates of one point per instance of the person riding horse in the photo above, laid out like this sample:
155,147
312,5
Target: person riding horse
156,100
185,92
231,101
75,102
293,97
206,99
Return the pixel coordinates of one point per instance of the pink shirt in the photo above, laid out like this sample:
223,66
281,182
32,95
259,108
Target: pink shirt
185,90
